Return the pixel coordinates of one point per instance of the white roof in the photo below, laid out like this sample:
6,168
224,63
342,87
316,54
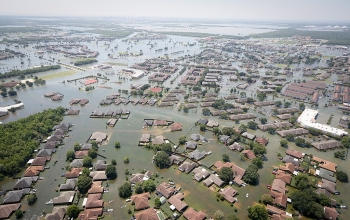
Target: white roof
308,119
5,109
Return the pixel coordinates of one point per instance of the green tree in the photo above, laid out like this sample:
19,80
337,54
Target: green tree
226,174
302,181
287,104
271,130
258,162
19,214
284,143
206,111
216,131
111,171
149,186
114,162
87,161
243,128
166,147
117,144
225,158
263,120
73,211
267,199
219,215
94,145
228,131
182,140
300,142
324,200
138,188
278,104
157,202
31,199
85,172
302,106
261,96
162,160
345,141
342,176
84,183
126,160
290,137
92,153
251,175
232,217
125,190
77,147
259,149
202,128
278,89
257,212
70,155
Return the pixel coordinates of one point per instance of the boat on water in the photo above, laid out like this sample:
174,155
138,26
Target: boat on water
49,202
247,195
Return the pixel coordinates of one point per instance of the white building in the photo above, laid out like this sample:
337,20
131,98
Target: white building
136,74
307,119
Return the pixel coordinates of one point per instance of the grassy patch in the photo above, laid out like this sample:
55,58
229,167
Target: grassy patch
58,75
120,33
281,65
116,64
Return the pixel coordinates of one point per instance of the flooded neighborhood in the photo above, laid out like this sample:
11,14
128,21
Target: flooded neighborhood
123,118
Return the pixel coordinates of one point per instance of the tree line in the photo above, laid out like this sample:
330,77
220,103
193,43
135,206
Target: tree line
20,138
13,73
83,62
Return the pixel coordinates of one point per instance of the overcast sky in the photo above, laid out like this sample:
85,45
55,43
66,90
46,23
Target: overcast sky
254,10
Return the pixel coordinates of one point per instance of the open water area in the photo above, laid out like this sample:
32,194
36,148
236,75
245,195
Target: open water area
129,131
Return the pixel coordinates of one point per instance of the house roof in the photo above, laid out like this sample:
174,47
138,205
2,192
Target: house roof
279,186
262,141
191,214
147,214
330,213
44,153
295,153
236,146
64,198
25,182
8,209
187,166
176,126
81,154
328,185
96,187
249,154
74,173
33,171
90,214
285,177
94,201
140,177
158,140
289,167
39,161
100,165
69,185
191,145
176,200
57,213
238,172
290,159
141,201
279,198
98,175
228,193
213,179
98,136
325,164
145,138
197,155
13,196
76,163
200,173
165,189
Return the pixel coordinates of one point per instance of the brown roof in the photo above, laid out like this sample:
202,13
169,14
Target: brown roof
279,186
6,210
176,127
81,154
39,161
141,201
285,177
219,164
289,167
330,213
238,172
191,214
96,187
57,213
249,154
228,193
90,214
94,201
176,200
148,214
74,173
33,171
325,164
295,153
262,141
165,189
280,198
274,210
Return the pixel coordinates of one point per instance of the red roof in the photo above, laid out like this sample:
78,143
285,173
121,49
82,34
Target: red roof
156,89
